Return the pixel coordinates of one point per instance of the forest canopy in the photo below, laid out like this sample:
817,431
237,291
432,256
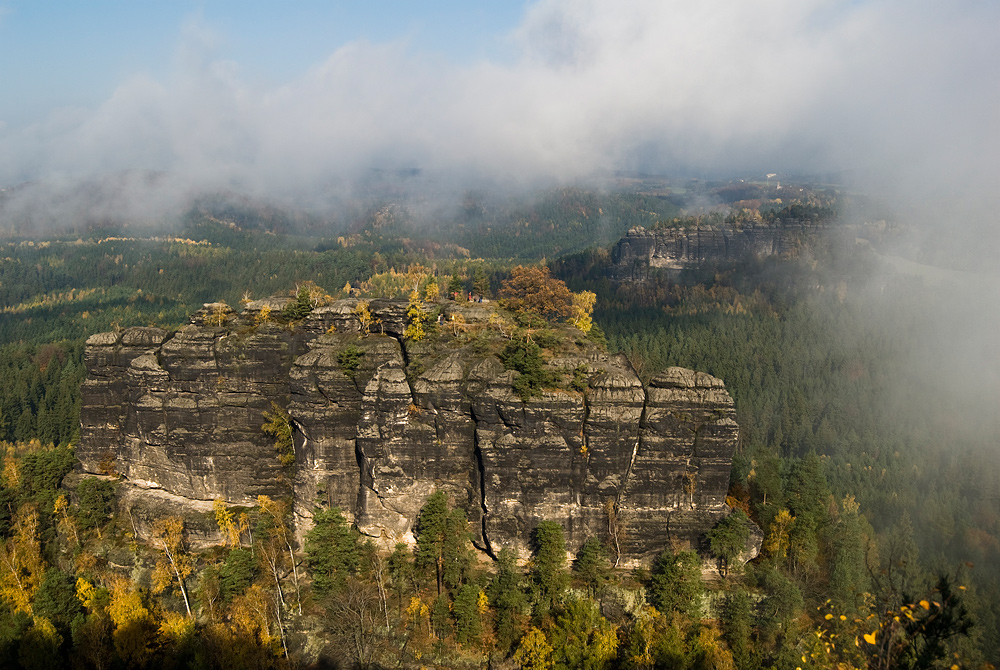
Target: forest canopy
873,489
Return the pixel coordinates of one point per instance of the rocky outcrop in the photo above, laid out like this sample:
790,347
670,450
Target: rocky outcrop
674,249
380,422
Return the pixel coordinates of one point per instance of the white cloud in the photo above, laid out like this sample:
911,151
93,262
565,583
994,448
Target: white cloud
896,88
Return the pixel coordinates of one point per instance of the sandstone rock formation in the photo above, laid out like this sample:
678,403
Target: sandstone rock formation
675,249
380,422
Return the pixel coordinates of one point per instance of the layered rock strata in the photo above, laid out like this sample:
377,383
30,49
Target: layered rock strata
674,249
380,422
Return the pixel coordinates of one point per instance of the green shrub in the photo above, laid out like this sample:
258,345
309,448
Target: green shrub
237,573
279,426
97,497
579,381
349,359
526,359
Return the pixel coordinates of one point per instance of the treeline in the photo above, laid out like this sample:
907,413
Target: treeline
868,481
40,392
557,222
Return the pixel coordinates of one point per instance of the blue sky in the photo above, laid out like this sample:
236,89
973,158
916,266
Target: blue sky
67,53
293,96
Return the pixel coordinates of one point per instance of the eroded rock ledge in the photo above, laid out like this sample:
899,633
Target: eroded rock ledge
182,411
674,249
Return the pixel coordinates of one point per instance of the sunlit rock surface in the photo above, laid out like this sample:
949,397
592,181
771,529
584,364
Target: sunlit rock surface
380,423
674,249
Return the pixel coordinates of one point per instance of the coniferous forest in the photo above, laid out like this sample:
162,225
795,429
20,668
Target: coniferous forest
865,389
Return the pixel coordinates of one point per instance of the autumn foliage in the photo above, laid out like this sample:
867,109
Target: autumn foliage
535,291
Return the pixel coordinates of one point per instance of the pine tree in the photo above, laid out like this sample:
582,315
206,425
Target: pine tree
728,539
592,566
441,616
737,623
456,286
848,572
56,600
332,551
675,584
582,638
400,572
468,626
548,574
480,283
431,531
508,598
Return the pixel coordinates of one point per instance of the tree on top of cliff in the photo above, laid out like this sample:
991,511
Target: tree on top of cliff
535,291
415,312
582,310
308,296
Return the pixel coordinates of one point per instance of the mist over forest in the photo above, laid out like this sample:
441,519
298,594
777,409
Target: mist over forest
862,357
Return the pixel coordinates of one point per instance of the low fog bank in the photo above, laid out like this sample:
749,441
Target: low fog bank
902,94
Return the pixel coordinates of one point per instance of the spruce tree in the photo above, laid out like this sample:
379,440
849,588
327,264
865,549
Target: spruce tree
456,551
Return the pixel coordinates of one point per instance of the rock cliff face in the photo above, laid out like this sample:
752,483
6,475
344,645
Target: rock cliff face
680,248
380,422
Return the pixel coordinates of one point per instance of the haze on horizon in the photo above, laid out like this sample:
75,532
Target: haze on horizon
904,95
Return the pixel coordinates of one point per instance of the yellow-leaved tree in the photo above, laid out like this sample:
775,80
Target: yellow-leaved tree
432,291
534,652
135,626
365,319
582,310
276,542
415,311
777,542
251,614
66,523
175,564
21,565
226,522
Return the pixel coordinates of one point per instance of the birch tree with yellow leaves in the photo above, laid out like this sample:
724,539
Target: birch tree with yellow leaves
21,565
279,540
175,563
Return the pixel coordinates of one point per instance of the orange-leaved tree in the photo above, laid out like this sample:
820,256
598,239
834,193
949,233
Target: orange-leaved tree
534,290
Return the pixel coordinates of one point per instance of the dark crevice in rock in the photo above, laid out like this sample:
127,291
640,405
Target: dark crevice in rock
364,481
481,469
379,441
406,364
